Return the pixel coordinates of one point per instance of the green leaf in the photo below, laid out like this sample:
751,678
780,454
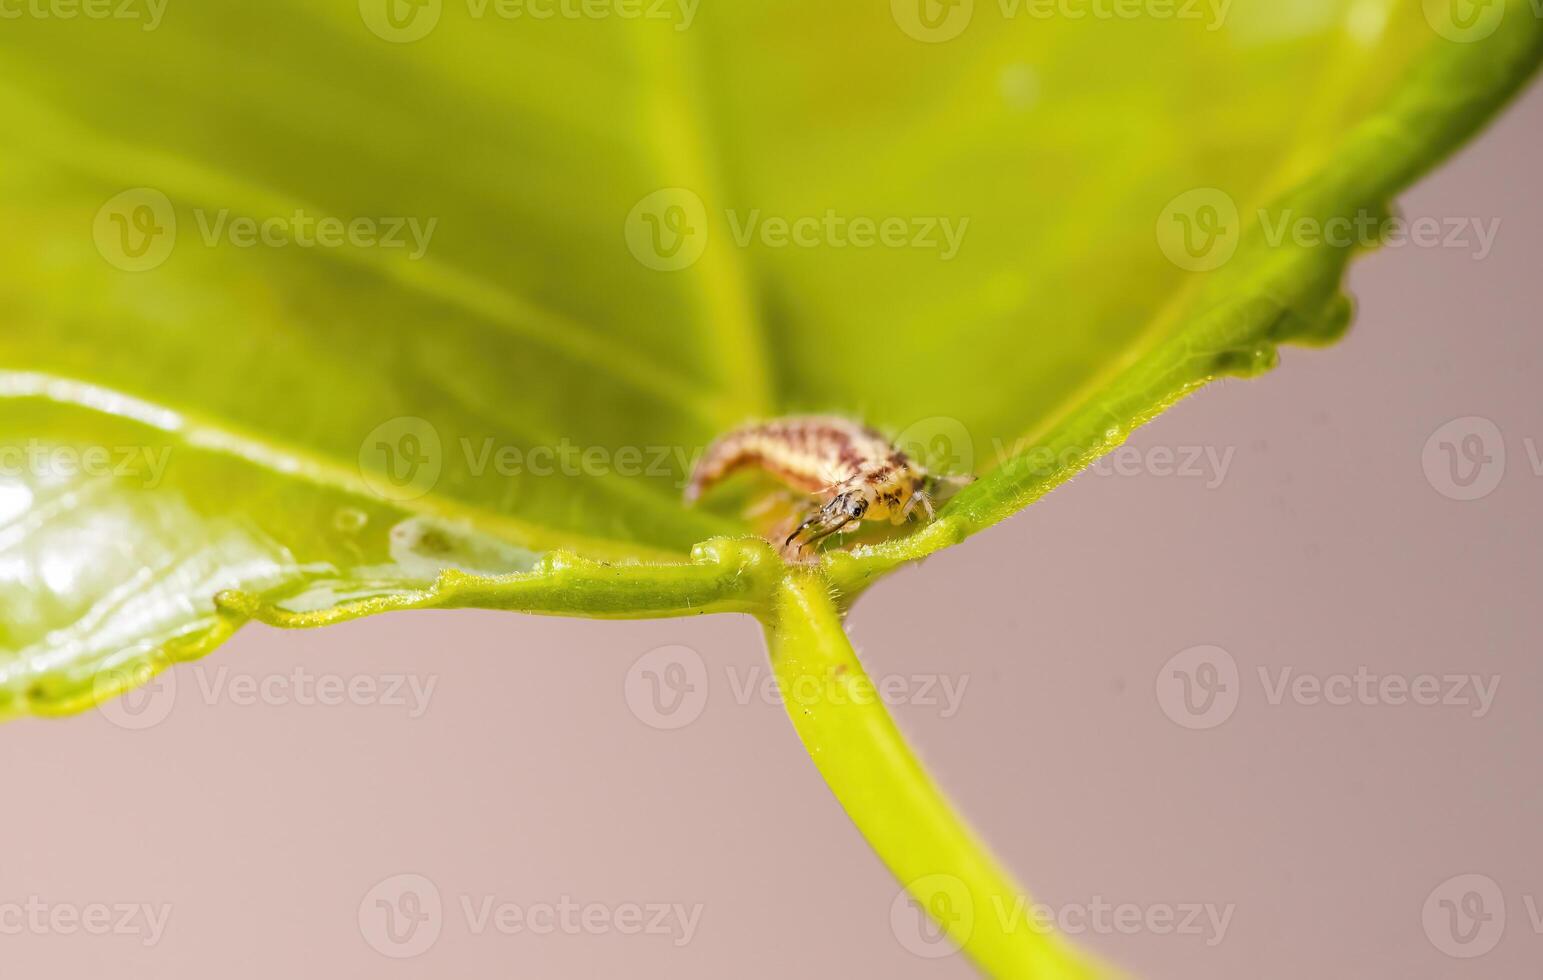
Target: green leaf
320,310
251,392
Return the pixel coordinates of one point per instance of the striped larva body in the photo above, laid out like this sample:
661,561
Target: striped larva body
853,472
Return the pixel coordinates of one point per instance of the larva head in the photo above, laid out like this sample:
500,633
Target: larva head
889,486
850,505
846,508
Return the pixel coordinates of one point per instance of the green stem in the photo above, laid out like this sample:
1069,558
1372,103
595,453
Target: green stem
888,795
723,575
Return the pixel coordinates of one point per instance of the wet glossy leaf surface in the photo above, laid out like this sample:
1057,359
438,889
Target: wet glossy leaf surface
315,305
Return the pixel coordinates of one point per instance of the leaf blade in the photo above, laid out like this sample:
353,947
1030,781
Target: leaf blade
532,325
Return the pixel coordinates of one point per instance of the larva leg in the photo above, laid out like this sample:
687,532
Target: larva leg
921,498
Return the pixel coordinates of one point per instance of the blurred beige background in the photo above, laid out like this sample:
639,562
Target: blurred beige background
504,796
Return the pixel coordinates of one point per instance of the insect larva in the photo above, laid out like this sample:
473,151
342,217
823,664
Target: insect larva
854,472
